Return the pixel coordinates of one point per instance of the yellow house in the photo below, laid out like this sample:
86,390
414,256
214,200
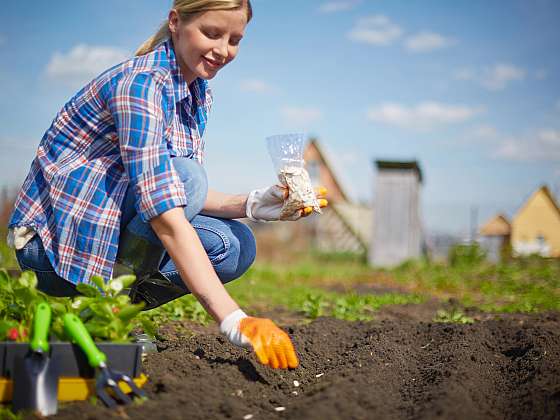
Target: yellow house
536,226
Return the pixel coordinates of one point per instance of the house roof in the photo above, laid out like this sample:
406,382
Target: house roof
496,226
315,143
544,190
392,164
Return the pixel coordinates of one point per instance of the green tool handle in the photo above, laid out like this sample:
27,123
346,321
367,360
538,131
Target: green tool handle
77,331
41,324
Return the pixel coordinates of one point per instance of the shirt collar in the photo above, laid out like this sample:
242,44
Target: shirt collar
180,86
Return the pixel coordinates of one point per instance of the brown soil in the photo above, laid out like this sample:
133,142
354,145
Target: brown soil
394,368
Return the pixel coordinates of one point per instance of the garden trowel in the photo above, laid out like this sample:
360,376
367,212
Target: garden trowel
35,376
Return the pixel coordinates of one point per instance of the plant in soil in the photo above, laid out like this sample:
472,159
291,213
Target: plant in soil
106,312
18,299
453,316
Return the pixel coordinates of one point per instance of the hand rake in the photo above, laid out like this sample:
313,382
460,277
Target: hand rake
107,381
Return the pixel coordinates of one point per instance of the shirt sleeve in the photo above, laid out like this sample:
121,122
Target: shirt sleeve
139,107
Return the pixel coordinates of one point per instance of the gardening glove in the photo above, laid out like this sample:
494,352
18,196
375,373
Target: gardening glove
272,345
265,204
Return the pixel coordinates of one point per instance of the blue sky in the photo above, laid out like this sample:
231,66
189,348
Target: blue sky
471,89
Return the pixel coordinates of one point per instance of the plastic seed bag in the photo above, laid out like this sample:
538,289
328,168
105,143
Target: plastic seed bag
286,151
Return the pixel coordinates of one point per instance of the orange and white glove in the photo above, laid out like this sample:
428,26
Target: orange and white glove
265,204
272,345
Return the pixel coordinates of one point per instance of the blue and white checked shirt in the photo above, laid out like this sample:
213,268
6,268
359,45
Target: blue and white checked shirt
122,128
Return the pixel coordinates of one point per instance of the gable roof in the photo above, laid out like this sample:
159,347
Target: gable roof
313,142
496,226
542,190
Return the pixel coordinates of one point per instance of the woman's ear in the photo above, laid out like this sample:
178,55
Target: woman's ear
173,20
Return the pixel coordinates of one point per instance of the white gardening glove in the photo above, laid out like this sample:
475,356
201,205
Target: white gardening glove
265,204
272,345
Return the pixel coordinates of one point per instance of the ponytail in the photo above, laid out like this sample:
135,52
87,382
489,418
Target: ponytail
161,35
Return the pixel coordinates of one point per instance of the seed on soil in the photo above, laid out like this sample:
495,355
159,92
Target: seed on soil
319,375
294,392
279,408
296,383
247,417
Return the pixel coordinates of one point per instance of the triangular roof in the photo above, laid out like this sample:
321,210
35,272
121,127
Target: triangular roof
496,226
326,162
542,190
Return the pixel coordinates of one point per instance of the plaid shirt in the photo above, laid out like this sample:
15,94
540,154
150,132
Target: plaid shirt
122,128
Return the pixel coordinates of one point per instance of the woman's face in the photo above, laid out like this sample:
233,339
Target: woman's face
207,42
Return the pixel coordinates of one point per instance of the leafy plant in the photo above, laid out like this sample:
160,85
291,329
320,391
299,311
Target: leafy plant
314,306
351,307
18,299
106,312
454,316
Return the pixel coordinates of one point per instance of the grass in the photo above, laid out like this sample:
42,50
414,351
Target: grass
325,285
298,289
523,285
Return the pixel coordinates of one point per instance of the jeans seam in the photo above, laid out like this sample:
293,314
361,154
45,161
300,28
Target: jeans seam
219,258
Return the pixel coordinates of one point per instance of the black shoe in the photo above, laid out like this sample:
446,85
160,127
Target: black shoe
155,291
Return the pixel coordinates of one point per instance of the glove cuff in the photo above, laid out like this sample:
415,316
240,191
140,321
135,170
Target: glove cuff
230,328
249,205
251,199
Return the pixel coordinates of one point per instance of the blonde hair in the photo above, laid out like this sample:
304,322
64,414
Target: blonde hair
188,8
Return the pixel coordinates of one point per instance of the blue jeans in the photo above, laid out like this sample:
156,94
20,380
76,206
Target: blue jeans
230,244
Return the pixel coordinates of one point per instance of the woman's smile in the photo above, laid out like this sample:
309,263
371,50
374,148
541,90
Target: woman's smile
212,63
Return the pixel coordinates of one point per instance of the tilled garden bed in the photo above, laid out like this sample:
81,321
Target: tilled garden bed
506,368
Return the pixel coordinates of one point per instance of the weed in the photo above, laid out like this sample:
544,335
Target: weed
453,316
314,306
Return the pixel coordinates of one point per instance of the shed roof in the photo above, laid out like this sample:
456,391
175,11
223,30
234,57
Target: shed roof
393,164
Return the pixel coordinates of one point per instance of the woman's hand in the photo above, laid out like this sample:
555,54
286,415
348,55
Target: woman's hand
272,345
266,204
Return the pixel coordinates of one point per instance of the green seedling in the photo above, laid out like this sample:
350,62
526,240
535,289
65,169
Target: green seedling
454,316
314,306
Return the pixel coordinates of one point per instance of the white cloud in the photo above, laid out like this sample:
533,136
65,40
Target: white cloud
544,145
338,6
427,41
255,86
492,78
375,30
499,76
425,115
301,116
83,62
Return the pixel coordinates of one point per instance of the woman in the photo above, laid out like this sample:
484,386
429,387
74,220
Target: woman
118,177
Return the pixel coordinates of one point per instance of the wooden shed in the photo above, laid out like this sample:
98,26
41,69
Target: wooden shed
397,227
535,228
495,237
